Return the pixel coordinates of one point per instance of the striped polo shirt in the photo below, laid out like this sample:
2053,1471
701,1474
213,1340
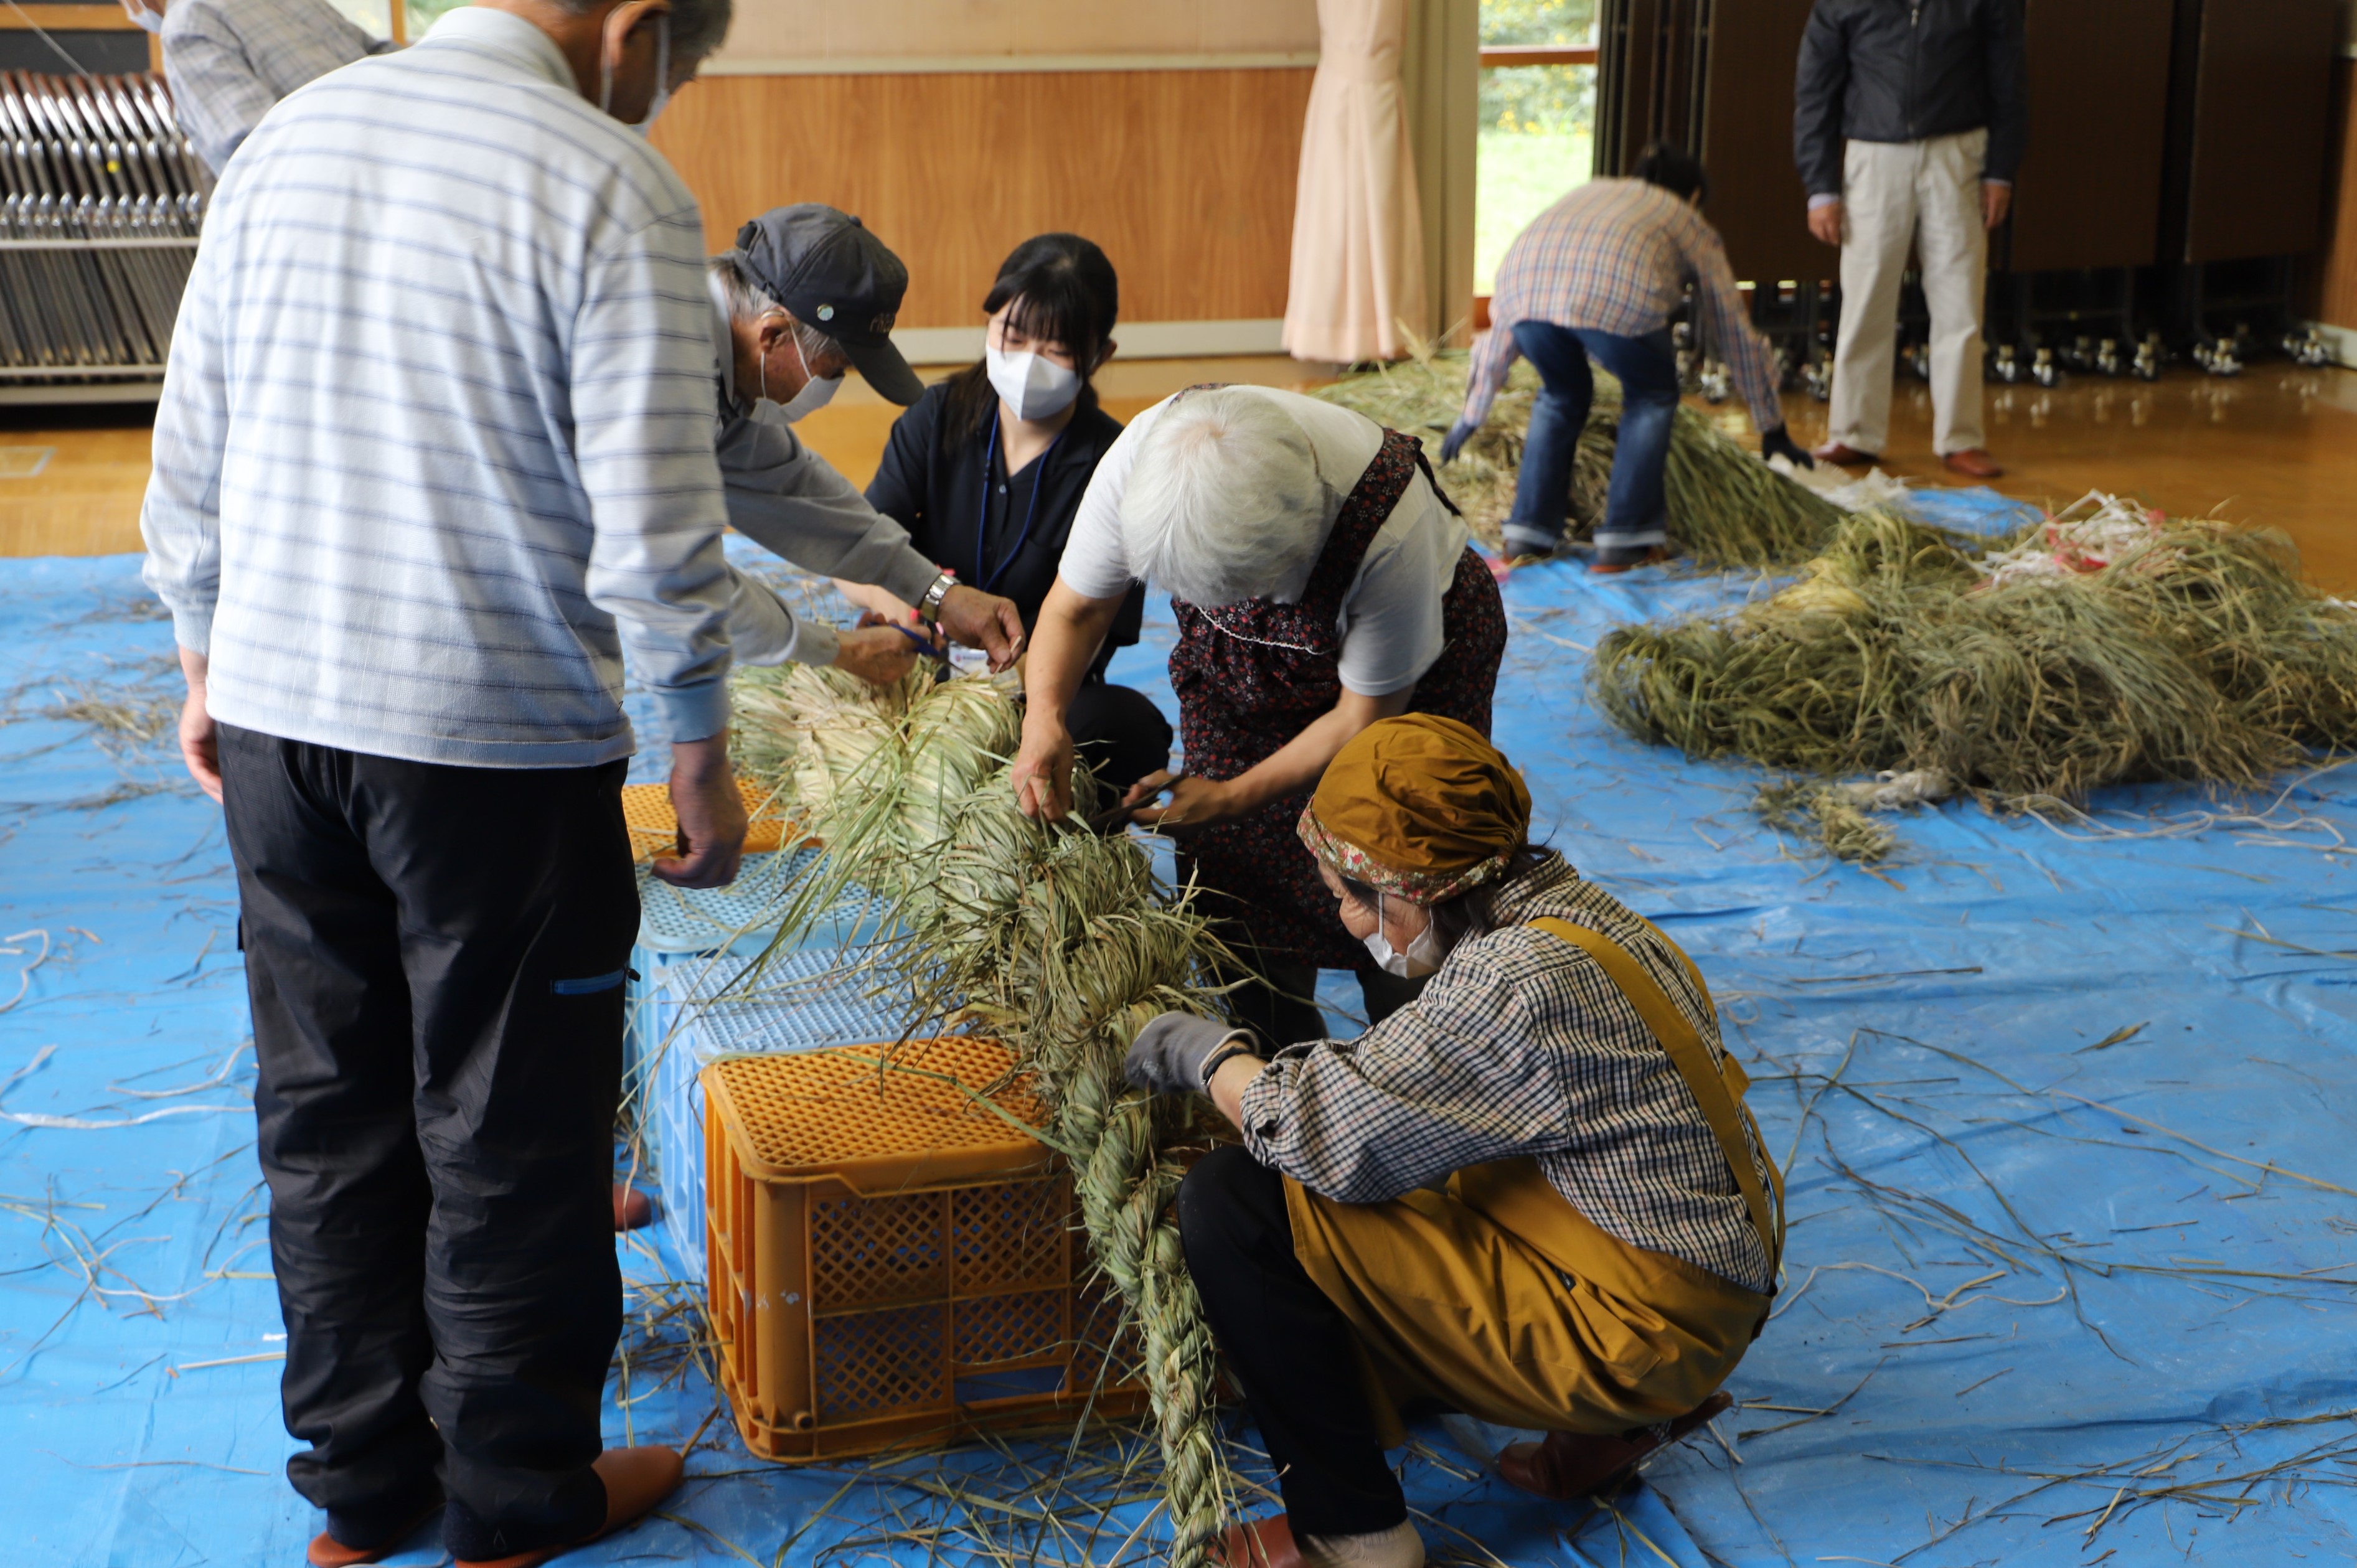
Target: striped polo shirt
436,443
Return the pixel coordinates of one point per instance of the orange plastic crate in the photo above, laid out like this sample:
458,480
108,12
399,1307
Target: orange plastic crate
891,1265
654,826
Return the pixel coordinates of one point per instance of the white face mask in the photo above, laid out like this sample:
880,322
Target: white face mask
144,19
1033,385
1423,955
662,78
815,394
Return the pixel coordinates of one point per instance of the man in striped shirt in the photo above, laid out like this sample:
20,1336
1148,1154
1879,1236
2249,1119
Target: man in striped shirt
229,60
1597,276
434,449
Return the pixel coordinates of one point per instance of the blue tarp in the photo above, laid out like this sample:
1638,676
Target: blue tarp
2067,1106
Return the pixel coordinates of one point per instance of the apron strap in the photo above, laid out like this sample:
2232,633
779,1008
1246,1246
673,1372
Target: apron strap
1720,1099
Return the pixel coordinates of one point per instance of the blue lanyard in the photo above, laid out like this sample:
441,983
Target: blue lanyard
982,523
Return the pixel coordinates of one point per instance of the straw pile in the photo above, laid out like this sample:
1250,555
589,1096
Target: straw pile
1727,508
1058,941
2107,646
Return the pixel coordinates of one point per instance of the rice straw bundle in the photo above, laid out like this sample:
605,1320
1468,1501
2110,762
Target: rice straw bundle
1059,942
1727,508
2105,646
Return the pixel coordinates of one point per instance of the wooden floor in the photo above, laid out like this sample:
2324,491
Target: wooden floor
2277,447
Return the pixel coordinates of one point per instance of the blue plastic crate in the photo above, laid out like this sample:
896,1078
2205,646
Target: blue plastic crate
740,916
682,929
803,1000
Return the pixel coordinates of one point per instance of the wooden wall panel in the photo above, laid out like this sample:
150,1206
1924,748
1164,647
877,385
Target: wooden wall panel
2089,195
809,30
2337,268
1757,201
2262,93
1186,177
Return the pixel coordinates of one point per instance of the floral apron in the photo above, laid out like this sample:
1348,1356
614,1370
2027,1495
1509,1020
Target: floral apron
1251,675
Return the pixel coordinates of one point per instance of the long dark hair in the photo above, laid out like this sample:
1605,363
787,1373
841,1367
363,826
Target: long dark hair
1064,291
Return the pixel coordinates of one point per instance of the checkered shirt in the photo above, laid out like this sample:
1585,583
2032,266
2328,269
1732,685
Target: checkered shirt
1614,255
1521,1046
230,61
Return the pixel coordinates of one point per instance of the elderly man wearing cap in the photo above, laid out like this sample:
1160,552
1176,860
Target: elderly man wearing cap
1532,1194
807,294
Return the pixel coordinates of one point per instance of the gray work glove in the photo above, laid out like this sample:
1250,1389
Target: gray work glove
1169,1054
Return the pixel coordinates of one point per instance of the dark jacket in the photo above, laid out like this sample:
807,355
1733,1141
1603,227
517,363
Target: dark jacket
1908,70
931,482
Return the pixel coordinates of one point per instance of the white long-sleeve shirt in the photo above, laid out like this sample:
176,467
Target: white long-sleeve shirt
229,60
436,443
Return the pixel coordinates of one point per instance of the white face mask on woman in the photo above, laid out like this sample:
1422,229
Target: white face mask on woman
1423,955
1033,385
816,395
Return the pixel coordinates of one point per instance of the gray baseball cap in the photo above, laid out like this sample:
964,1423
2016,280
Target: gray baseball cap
834,275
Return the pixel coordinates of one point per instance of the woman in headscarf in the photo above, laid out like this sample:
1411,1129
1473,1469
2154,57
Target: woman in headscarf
1532,1194
1322,582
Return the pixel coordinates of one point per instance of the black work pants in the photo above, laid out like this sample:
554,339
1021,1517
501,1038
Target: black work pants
1118,730
436,957
1289,1346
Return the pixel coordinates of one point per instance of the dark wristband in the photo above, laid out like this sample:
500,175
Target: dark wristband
1241,1045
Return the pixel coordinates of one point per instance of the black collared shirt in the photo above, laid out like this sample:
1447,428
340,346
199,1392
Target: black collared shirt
935,488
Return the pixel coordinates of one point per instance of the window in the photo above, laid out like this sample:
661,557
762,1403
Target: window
1538,118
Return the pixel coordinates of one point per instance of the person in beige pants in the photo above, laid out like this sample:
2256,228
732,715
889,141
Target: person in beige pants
1909,119
1929,194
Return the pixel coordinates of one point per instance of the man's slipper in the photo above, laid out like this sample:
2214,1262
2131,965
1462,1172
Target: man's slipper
636,1481
327,1552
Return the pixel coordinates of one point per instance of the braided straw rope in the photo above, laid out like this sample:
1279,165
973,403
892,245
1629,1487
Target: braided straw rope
1059,942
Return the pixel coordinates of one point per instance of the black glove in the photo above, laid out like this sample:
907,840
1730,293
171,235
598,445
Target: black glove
1454,442
1169,1054
1779,440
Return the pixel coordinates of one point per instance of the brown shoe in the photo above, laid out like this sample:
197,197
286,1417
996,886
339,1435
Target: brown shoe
327,1552
1611,562
632,1208
1261,1543
1576,1464
1842,457
636,1481
1974,463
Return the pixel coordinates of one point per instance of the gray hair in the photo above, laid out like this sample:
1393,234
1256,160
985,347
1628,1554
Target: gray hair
698,27
747,301
1224,500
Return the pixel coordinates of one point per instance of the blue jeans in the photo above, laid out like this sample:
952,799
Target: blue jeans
1647,369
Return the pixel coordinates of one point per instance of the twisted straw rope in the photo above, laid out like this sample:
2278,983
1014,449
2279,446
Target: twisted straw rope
1060,942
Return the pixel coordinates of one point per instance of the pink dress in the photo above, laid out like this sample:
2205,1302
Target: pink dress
1358,230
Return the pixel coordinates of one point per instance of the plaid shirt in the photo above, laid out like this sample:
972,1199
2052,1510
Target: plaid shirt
229,60
1615,255
1521,1046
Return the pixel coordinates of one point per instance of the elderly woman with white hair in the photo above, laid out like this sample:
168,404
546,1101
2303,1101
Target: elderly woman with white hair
1323,582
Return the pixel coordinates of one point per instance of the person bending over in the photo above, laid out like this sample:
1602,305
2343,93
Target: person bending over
1532,1195
1595,276
807,295
1321,582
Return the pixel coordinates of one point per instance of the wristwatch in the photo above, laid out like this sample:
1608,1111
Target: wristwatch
929,608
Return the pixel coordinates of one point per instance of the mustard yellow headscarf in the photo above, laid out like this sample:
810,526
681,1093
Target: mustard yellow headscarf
1420,807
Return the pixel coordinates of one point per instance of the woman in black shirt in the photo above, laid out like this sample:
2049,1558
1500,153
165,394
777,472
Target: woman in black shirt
986,471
